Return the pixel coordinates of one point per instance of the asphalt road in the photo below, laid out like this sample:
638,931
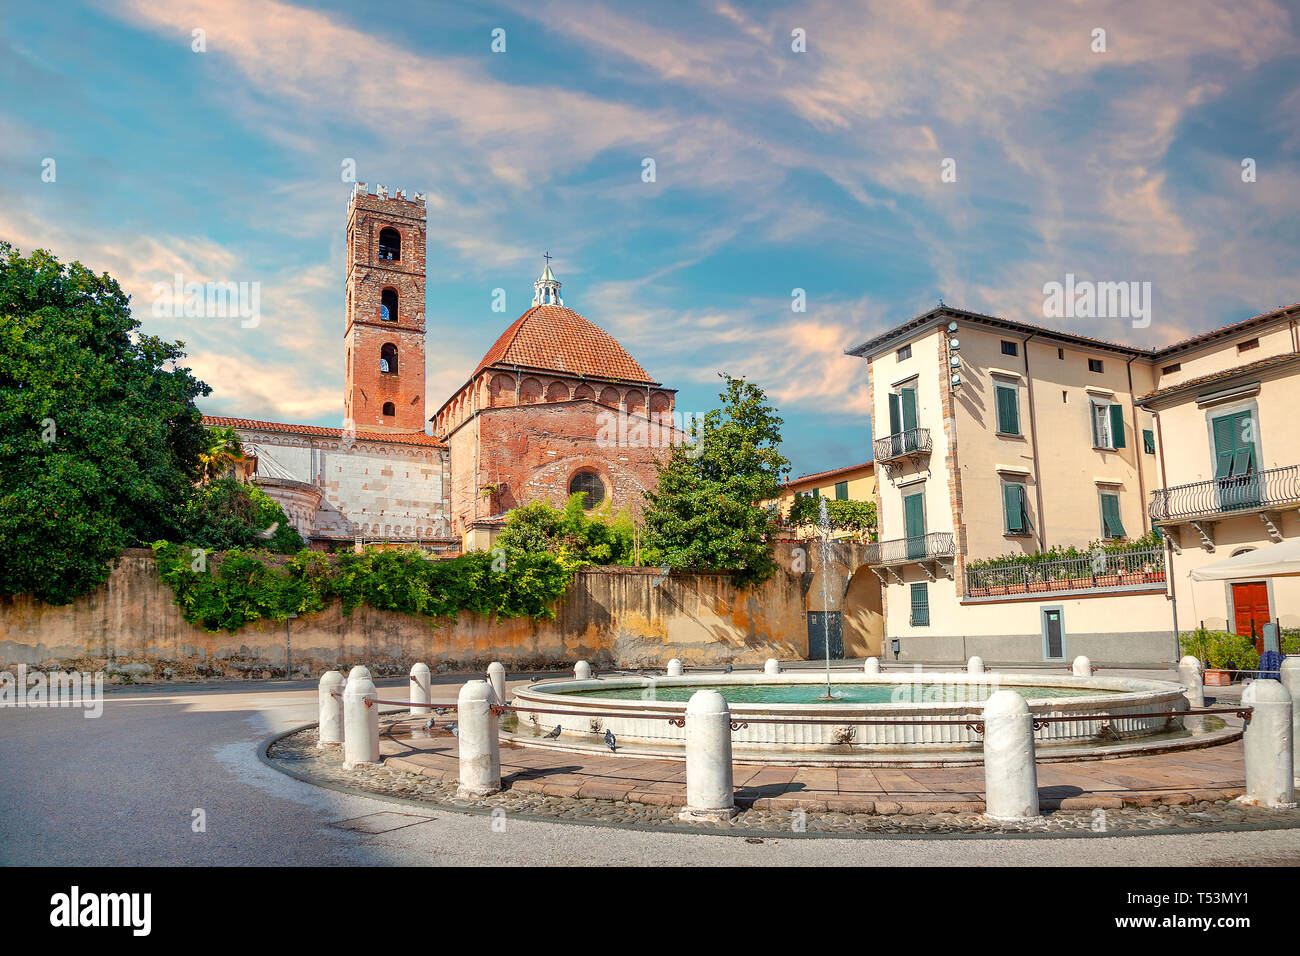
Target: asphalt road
121,789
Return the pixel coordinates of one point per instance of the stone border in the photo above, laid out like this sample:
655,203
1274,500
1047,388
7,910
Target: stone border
772,823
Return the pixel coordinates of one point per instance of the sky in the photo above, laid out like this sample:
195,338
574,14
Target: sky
878,156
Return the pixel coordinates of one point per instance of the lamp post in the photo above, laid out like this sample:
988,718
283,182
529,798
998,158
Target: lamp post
288,663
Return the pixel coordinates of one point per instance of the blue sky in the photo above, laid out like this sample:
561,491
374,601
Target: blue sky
775,170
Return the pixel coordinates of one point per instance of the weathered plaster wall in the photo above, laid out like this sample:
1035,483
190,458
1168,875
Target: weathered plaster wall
614,616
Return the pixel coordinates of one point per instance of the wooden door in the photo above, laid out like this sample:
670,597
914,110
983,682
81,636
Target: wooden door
1250,606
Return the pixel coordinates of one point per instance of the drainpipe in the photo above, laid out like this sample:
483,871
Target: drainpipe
1169,544
1033,444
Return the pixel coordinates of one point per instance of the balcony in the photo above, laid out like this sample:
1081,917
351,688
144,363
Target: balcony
912,443
1111,572
1200,504
934,548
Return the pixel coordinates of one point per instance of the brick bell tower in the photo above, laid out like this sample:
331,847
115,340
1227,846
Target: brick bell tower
385,311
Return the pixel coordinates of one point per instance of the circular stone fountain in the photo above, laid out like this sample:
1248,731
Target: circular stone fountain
762,706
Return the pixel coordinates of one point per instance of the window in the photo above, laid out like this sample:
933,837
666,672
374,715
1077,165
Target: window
1148,441
388,359
1247,345
1060,354
1095,365
920,605
588,484
816,493
1010,348
388,305
841,491
390,244
1170,369
902,411
1107,425
905,353
1110,523
914,525
389,410
1015,509
1065,397
1008,402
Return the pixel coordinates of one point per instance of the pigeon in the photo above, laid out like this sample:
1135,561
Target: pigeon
727,669
455,730
428,724
554,733
269,532
610,742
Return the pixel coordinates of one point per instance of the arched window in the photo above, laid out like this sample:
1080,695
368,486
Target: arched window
388,358
389,410
590,485
388,305
390,244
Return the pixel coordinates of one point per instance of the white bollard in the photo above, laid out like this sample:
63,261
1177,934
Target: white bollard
709,792
582,671
871,666
1082,667
421,689
1010,776
331,709
1270,768
477,743
675,668
1190,676
360,723
496,675
975,665
772,666
1291,681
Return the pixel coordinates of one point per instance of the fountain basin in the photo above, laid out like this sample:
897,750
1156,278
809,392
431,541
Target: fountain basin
762,705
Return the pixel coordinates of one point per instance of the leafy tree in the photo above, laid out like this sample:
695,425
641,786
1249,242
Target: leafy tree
573,533
99,434
708,511
227,514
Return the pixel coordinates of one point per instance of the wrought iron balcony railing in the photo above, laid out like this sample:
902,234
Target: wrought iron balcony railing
1129,570
1224,496
913,441
925,547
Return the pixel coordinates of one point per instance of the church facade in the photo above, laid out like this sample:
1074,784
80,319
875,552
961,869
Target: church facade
556,406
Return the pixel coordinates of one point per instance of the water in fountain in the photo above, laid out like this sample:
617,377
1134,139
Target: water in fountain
824,532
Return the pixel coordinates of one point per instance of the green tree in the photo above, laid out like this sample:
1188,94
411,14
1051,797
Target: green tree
572,533
227,514
99,434
710,509
222,449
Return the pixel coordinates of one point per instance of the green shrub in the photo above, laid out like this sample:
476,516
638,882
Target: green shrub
1222,650
572,534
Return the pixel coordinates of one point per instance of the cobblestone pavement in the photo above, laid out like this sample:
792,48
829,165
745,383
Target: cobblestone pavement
1173,806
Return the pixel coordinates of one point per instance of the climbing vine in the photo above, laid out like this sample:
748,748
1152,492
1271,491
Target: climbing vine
228,590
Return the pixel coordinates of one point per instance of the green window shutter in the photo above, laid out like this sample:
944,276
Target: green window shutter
920,606
909,408
1243,461
1096,431
841,491
1225,444
1117,426
913,516
1013,507
1110,516
1148,441
816,493
895,414
1008,410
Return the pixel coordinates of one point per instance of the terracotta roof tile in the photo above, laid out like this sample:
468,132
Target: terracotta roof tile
399,438
555,339
827,474
1257,366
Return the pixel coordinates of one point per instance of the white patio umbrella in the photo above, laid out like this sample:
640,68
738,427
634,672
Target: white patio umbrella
1270,561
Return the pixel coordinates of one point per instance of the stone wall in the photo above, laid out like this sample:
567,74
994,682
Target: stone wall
613,616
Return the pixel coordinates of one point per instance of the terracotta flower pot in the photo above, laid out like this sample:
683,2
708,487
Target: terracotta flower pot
1214,677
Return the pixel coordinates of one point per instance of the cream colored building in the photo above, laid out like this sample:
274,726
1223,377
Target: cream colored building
851,483
995,437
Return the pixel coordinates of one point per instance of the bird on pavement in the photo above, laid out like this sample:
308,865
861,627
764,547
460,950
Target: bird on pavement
727,669
428,724
610,741
554,733
455,730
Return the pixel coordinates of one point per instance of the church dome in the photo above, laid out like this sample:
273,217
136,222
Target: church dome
553,338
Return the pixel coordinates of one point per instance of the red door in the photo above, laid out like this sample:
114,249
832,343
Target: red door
1250,605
